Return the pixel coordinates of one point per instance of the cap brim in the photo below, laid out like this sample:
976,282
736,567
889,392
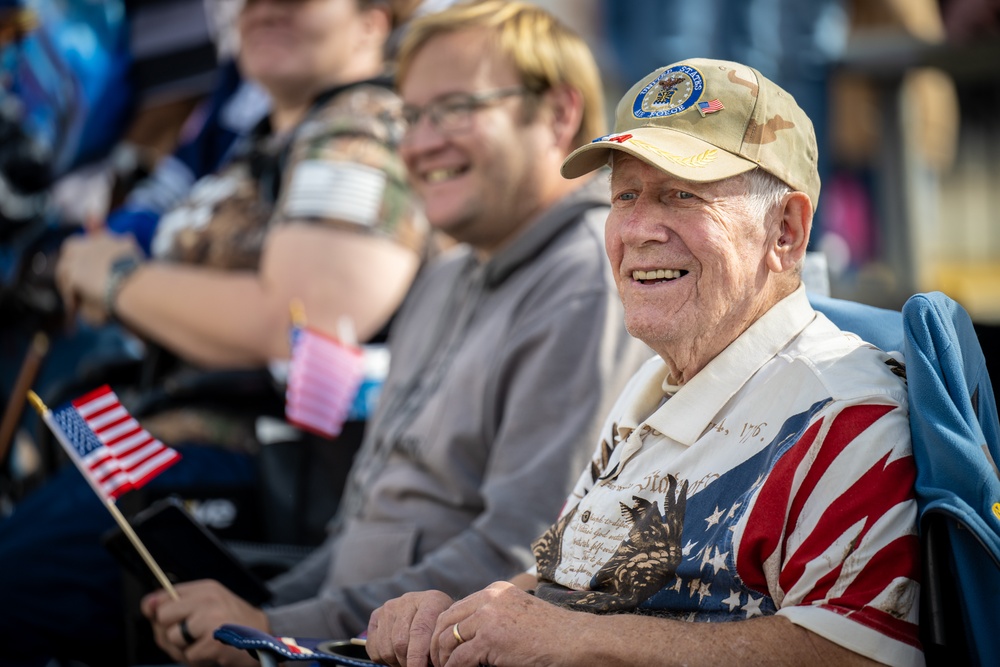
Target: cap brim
674,152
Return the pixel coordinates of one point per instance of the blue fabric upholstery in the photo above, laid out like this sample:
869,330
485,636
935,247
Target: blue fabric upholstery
953,422
880,327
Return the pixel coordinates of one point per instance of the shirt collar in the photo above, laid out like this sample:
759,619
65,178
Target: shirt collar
690,411
644,399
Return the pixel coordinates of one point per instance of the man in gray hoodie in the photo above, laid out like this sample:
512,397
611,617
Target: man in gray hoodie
508,349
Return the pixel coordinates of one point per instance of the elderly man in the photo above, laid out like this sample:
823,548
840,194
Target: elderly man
758,470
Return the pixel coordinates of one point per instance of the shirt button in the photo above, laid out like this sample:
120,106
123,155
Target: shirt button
585,517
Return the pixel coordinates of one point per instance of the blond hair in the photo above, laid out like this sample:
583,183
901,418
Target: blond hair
544,51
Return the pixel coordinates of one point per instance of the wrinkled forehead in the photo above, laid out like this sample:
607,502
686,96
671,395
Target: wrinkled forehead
626,166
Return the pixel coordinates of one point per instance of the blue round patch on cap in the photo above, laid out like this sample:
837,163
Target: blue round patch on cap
674,91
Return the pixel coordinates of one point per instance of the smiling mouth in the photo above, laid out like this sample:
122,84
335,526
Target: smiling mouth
442,175
657,276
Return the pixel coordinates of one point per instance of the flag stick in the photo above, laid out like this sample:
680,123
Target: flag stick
109,502
297,310
25,378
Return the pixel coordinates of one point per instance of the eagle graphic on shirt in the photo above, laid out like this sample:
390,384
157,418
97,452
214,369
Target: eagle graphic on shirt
642,564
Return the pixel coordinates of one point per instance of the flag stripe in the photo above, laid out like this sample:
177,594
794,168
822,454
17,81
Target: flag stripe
153,466
95,401
112,434
106,418
127,444
320,392
765,527
135,458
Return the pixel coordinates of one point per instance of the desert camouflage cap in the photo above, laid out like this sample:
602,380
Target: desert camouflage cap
705,120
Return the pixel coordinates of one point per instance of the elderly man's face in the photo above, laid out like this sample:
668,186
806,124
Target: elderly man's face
687,258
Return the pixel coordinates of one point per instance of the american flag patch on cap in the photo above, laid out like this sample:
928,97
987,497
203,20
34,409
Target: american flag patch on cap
710,107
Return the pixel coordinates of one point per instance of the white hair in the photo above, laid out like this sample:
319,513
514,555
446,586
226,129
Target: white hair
764,192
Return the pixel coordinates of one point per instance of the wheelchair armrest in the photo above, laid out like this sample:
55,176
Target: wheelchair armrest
941,625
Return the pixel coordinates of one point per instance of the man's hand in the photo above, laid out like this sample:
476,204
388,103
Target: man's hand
400,631
505,626
203,606
83,268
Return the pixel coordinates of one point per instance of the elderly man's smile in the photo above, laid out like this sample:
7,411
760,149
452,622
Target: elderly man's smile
654,276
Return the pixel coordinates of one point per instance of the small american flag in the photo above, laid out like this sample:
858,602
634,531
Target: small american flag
323,380
114,450
711,106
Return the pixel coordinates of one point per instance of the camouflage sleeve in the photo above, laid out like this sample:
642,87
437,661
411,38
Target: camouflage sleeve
344,170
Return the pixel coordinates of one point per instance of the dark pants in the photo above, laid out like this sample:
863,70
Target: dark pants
60,590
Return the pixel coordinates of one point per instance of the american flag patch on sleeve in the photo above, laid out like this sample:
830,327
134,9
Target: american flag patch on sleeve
345,191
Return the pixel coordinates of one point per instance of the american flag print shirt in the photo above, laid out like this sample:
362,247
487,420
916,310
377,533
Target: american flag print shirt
778,480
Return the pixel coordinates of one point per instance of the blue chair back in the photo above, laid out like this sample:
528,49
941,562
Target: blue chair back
956,447
953,422
880,327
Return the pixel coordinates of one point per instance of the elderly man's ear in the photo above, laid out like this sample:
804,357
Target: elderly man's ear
788,246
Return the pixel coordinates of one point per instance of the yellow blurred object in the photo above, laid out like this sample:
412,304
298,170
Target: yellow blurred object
975,285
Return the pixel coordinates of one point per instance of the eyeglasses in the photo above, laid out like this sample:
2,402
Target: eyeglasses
453,113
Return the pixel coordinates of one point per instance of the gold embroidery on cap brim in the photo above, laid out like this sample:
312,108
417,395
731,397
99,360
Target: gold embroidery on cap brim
694,161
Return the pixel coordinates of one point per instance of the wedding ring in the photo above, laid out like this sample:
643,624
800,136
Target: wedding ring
185,633
458,635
